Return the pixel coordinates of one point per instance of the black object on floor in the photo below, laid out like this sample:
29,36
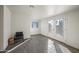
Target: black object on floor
19,35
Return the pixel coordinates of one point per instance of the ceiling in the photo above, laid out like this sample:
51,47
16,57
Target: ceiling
24,8
41,10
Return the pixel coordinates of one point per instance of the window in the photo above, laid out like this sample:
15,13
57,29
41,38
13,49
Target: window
59,26
34,24
51,26
56,26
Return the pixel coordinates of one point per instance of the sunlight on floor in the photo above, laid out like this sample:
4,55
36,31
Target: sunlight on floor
64,49
51,46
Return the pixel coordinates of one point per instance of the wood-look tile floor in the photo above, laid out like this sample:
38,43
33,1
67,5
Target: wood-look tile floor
42,44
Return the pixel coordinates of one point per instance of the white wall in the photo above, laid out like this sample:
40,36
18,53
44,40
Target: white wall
20,22
1,28
6,26
35,15
23,22
5,29
71,28
44,27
